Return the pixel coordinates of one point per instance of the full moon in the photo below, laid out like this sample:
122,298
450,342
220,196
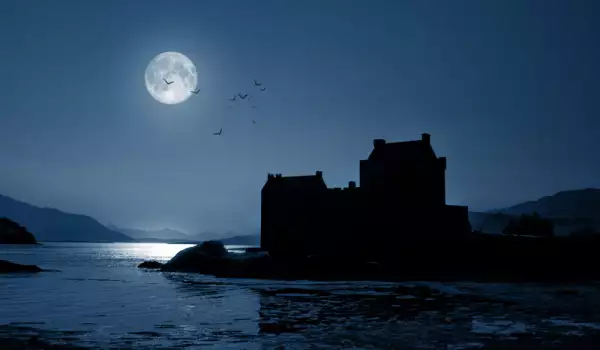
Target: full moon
171,77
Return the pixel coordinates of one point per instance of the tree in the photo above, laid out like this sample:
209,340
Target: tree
530,225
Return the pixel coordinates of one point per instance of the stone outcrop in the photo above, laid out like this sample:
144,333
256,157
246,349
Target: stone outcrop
10,267
212,258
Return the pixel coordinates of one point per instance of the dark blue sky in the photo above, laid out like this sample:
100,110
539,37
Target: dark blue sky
508,89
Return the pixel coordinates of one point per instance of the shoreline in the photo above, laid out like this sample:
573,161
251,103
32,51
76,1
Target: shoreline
520,341
34,343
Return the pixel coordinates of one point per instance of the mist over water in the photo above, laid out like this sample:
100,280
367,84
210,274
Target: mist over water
100,298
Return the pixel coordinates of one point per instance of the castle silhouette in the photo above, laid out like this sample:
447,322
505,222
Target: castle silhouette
402,197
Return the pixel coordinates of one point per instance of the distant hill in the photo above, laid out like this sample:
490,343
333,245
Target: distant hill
565,204
569,210
252,240
48,224
165,234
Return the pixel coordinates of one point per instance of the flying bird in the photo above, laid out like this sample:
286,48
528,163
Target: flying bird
167,82
257,83
195,92
263,89
253,122
243,97
233,98
218,133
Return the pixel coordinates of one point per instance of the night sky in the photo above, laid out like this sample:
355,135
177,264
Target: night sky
508,90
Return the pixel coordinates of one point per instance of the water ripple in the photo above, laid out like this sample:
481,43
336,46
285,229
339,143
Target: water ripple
101,299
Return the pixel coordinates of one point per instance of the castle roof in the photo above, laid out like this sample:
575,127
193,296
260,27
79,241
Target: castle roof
303,182
402,151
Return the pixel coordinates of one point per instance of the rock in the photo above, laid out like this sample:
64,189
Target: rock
7,266
212,258
151,264
212,248
419,291
13,233
196,258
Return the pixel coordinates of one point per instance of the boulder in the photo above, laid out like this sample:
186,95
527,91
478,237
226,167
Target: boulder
13,233
212,258
8,267
199,257
151,264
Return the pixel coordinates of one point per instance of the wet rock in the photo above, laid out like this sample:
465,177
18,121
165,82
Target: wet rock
198,257
522,334
151,264
9,267
566,292
212,258
13,233
418,291
276,328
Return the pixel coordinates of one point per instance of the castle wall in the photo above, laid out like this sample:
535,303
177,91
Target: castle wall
419,183
348,222
397,202
289,219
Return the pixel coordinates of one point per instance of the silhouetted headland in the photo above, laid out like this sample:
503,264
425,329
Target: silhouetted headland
395,226
52,225
13,233
10,267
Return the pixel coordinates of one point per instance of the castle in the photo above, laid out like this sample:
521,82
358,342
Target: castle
402,197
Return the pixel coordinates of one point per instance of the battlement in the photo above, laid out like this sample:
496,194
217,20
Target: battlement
378,143
426,138
271,176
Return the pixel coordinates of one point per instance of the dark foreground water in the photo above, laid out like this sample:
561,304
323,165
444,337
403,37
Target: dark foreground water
100,299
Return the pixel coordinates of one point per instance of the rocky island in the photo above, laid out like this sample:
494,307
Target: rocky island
13,233
480,258
395,226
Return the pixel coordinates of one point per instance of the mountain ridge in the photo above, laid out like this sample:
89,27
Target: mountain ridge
161,234
53,225
569,210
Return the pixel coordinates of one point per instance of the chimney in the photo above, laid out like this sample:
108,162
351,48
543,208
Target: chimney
378,143
270,177
319,173
426,138
351,184
278,176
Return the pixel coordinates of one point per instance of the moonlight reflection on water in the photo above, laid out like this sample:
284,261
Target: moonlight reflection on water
101,299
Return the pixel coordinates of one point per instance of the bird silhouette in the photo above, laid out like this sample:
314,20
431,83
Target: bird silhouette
233,98
257,83
263,89
218,133
167,82
195,92
253,122
243,97
253,106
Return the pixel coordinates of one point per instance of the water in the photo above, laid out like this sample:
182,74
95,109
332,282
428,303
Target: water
100,299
